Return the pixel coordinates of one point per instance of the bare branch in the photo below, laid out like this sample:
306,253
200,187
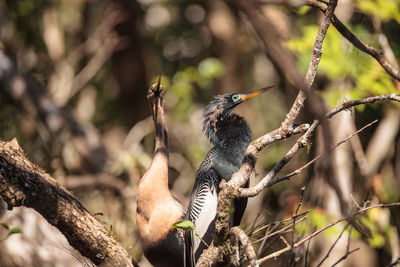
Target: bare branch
333,245
308,247
299,243
284,230
281,222
25,184
348,252
303,141
291,253
394,263
377,54
212,254
245,241
299,170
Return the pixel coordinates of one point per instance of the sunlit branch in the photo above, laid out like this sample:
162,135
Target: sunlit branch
299,243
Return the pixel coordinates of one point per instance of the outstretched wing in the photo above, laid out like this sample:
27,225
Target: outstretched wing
202,210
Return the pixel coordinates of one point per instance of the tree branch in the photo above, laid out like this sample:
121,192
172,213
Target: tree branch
245,241
303,141
25,184
377,54
299,170
299,243
348,252
333,245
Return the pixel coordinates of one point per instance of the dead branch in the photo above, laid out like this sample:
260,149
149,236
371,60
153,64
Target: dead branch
284,230
333,245
211,255
299,170
24,184
307,250
299,243
285,61
292,255
394,263
377,54
304,140
348,252
245,241
283,221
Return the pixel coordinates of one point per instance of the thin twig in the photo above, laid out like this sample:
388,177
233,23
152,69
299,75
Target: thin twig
283,230
255,190
299,170
285,241
291,253
395,263
268,234
281,222
348,252
377,54
345,256
333,245
299,243
308,247
355,202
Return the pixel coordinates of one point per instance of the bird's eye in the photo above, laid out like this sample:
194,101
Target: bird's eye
153,86
235,98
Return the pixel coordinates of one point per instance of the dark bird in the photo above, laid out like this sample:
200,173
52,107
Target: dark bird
230,135
157,209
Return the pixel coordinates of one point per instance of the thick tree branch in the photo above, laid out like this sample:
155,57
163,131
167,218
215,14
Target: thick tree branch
25,184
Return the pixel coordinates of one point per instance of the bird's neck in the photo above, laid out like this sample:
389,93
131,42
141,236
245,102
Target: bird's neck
231,136
158,171
161,132
227,131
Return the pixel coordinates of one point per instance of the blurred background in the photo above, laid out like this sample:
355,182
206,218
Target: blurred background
73,80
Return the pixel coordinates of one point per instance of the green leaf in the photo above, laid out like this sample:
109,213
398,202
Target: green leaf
12,231
5,226
184,225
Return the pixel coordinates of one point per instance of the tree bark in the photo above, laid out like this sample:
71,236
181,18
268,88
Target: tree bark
24,184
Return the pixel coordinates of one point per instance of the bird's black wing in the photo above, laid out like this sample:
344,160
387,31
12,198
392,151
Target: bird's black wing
202,210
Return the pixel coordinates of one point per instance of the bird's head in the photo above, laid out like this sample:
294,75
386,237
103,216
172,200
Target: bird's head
155,91
222,105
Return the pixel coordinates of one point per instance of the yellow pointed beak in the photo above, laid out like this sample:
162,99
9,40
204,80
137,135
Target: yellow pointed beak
256,93
158,83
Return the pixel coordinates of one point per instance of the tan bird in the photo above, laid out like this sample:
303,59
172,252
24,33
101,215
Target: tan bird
157,209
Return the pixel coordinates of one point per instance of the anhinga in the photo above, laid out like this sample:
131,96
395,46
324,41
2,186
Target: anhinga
230,135
157,209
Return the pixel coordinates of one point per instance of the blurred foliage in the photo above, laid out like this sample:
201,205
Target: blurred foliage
341,61
184,83
383,9
201,49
